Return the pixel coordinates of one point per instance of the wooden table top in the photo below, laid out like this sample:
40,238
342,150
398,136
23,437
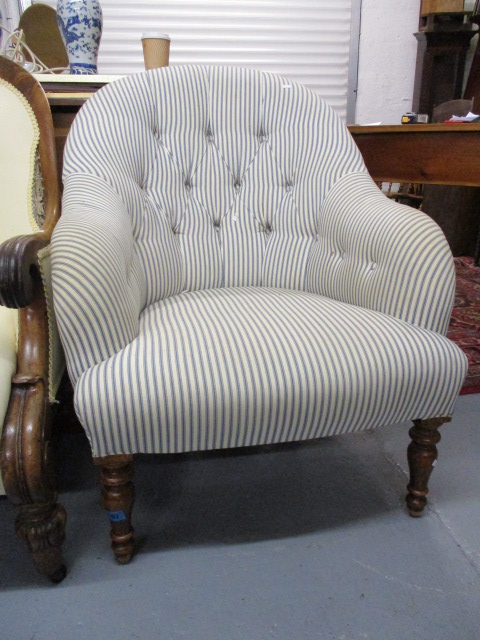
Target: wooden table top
424,153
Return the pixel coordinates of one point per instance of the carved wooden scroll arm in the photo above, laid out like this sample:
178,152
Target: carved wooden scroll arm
19,276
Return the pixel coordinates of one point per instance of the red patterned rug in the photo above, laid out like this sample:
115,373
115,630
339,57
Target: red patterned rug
464,327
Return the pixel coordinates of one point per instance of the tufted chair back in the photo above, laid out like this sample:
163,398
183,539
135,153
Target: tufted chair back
222,171
19,134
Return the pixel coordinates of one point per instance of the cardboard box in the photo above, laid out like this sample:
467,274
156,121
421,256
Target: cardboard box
441,6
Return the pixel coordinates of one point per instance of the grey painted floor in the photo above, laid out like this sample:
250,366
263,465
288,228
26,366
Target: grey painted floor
312,542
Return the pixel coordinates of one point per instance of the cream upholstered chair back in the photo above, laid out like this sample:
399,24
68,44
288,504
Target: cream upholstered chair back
19,135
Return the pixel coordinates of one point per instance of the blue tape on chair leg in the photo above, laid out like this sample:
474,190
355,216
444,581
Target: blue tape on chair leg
116,516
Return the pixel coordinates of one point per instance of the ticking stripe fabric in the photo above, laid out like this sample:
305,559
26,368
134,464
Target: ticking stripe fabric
378,254
233,367
226,272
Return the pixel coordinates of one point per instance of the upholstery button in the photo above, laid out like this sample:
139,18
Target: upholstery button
236,185
216,225
373,266
268,228
188,185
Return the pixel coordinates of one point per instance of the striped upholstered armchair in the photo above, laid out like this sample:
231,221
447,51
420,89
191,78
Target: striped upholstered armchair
226,274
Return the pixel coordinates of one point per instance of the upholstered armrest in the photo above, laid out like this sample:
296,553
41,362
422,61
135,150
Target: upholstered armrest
98,285
382,255
18,269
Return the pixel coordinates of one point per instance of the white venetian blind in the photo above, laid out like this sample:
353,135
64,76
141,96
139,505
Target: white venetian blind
306,40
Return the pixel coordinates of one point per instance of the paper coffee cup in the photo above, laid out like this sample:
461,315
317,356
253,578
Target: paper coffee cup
156,49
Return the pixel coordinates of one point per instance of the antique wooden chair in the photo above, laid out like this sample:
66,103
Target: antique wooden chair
30,354
227,274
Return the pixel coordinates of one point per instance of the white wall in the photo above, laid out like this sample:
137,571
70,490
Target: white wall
387,56
386,64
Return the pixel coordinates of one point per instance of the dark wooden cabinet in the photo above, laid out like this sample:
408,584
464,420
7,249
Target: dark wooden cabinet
443,43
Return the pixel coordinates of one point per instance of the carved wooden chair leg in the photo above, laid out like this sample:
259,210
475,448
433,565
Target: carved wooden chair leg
27,475
422,454
42,526
118,495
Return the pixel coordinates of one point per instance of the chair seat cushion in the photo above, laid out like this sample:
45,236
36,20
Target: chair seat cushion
236,367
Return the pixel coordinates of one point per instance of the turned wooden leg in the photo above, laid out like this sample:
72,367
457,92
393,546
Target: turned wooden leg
43,529
118,495
422,455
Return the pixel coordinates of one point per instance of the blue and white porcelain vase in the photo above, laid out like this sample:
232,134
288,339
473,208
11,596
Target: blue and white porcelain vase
80,23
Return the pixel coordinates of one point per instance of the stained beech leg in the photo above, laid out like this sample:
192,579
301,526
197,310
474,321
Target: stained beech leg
422,454
118,495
